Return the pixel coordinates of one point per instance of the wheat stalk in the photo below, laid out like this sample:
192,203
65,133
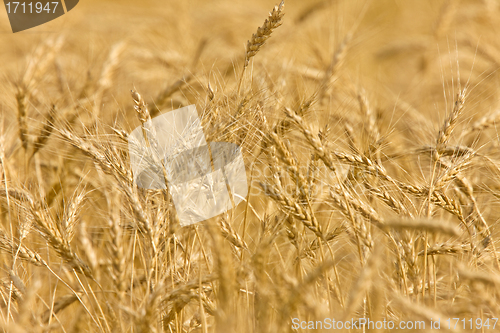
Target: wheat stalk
262,35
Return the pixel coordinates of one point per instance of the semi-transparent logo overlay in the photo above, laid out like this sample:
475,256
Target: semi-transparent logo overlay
204,179
28,14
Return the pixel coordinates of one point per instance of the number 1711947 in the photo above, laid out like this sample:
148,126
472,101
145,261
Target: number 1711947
478,323
31,7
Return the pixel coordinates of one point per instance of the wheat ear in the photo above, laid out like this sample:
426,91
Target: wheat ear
263,33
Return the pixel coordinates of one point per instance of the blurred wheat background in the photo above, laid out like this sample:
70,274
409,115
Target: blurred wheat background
369,133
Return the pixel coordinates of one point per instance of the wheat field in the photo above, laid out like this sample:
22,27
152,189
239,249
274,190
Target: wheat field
369,135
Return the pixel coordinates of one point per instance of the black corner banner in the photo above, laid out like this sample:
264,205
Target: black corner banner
28,14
